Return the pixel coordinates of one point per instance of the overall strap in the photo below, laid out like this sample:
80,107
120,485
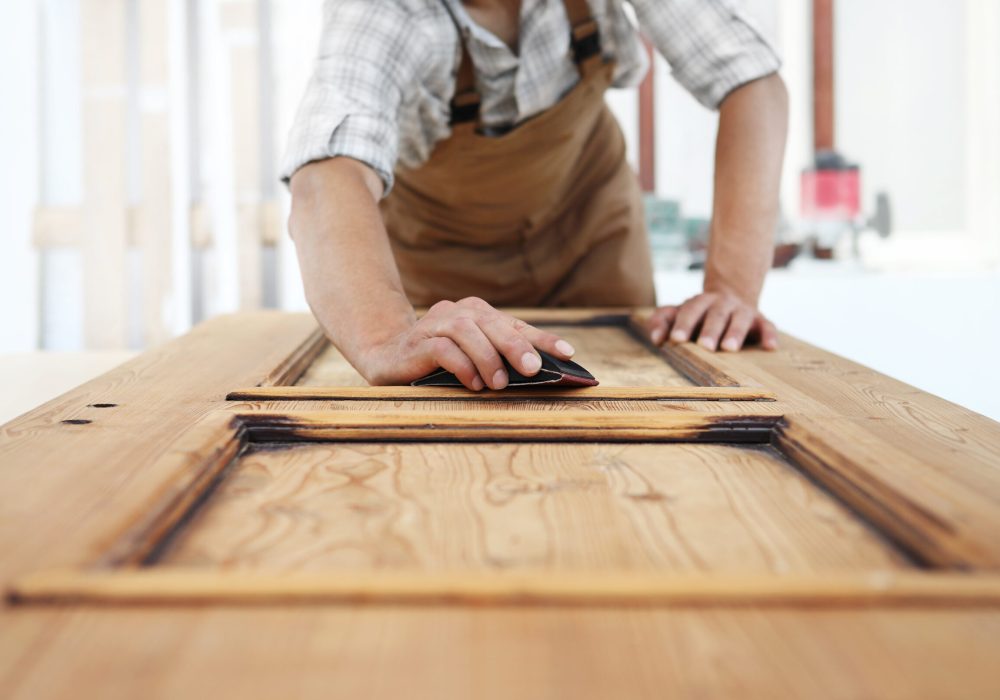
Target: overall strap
585,36
585,40
465,104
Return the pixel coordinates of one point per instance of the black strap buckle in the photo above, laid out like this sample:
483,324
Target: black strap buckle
465,107
586,40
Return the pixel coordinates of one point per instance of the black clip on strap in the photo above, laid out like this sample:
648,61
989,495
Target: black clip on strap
586,40
465,107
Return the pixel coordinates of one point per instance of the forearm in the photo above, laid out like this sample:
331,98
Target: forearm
350,278
753,122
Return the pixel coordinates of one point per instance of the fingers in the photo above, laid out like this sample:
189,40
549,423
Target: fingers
450,357
721,321
768,334
515,346
515,339
714,324
543,340
659,322
465,332
689,316
483,334
740,324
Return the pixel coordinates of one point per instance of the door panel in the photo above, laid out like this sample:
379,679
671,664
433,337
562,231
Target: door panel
612,352
684,508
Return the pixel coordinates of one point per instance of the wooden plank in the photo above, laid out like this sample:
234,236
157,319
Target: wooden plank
150,402
959,444
749,408
606,346
69,476
303,357
529,425
172,587
939,520
491,652
521,507
699,367
422,393
194,465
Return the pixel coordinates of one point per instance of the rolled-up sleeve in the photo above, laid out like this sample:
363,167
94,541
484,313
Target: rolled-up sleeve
712,46
369,56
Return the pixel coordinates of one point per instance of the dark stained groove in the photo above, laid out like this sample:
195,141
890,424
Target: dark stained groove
163,543
296,364
600,320
716,429
860,503
695,371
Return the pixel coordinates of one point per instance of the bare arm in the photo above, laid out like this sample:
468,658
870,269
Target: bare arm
350,278
753,122
354,290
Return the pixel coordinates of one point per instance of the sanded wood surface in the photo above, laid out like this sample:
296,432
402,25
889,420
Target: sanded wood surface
72,488
526,395
199,585
498,653
511,507
610,352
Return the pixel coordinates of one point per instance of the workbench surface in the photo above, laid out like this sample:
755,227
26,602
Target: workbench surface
235,512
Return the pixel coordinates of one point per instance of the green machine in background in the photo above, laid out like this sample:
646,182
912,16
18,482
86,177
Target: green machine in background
677,242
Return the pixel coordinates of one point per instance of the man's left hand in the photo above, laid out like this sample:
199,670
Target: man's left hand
717,320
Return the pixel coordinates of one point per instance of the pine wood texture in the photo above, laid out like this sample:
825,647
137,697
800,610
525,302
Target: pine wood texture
610,352
523,507
187,586
844,549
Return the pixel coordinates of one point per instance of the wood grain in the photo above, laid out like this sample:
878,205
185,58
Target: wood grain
514,405
522,507
493,653
68,486
584,426
298,361
525,395
697,367
75,483
610,352
159,587
940,521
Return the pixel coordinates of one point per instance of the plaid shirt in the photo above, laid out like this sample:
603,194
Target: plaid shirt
385,74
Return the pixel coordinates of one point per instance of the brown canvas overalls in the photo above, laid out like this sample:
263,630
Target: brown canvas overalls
548,214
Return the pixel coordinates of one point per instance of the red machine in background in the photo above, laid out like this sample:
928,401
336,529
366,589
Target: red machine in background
831,205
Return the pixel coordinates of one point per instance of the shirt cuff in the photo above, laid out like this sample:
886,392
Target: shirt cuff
743,58
366,138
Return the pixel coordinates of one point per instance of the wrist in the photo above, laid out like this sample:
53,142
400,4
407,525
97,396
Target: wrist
745,290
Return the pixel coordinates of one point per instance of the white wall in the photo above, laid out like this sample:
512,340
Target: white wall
901,105
18,175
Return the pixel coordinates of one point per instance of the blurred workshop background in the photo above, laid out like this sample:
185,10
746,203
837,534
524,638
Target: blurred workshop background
138,192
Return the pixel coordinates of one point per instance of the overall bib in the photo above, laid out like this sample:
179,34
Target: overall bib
548,214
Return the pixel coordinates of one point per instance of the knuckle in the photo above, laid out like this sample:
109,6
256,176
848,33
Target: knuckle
441,346
473,302
464,323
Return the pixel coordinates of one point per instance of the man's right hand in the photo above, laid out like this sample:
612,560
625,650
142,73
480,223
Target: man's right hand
467,338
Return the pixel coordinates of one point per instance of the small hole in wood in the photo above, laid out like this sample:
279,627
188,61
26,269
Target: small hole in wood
102,405
77,421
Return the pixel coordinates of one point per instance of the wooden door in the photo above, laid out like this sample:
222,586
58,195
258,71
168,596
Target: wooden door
793,514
